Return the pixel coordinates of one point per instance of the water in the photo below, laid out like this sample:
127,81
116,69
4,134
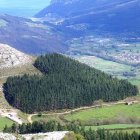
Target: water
22,8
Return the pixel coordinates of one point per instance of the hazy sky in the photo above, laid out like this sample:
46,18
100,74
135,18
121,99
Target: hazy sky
25,8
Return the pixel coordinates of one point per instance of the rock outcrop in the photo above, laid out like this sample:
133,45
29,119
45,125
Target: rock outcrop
10,57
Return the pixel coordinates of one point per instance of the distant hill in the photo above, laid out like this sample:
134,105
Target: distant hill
57,25
114,17
30,36
65,83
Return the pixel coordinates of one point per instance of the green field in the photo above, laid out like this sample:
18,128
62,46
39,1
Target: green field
45,118
115,126
105,65
5,121
107,113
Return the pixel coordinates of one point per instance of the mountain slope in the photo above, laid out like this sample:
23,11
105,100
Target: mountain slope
12,63
107,29
10,57
30,37
75,7
120,16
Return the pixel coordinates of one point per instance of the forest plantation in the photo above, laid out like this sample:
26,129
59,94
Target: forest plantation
64,84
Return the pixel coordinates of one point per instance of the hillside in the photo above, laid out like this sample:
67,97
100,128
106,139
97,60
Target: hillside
107,33
113,17
87,85
12,63
30,36
10,57
66,84
107,30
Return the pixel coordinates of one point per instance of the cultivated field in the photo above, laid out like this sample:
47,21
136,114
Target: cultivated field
112,49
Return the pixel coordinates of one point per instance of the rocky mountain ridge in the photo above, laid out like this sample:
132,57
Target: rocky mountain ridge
10,57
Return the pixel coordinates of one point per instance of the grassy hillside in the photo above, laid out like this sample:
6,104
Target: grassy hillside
4,121
117,113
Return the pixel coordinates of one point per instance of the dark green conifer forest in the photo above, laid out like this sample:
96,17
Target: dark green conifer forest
65,83
100,134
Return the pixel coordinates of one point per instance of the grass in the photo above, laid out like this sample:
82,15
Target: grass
23,116
46,118
105,113
5,121
121,114
105,65
114,126
19,70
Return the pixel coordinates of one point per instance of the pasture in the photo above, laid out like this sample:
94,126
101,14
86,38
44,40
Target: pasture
5,121
119,112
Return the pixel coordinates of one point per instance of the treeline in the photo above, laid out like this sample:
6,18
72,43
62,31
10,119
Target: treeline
65,83
90,134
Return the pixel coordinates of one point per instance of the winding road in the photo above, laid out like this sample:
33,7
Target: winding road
78,109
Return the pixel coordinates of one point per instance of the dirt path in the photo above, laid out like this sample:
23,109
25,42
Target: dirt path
78,109
11,114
